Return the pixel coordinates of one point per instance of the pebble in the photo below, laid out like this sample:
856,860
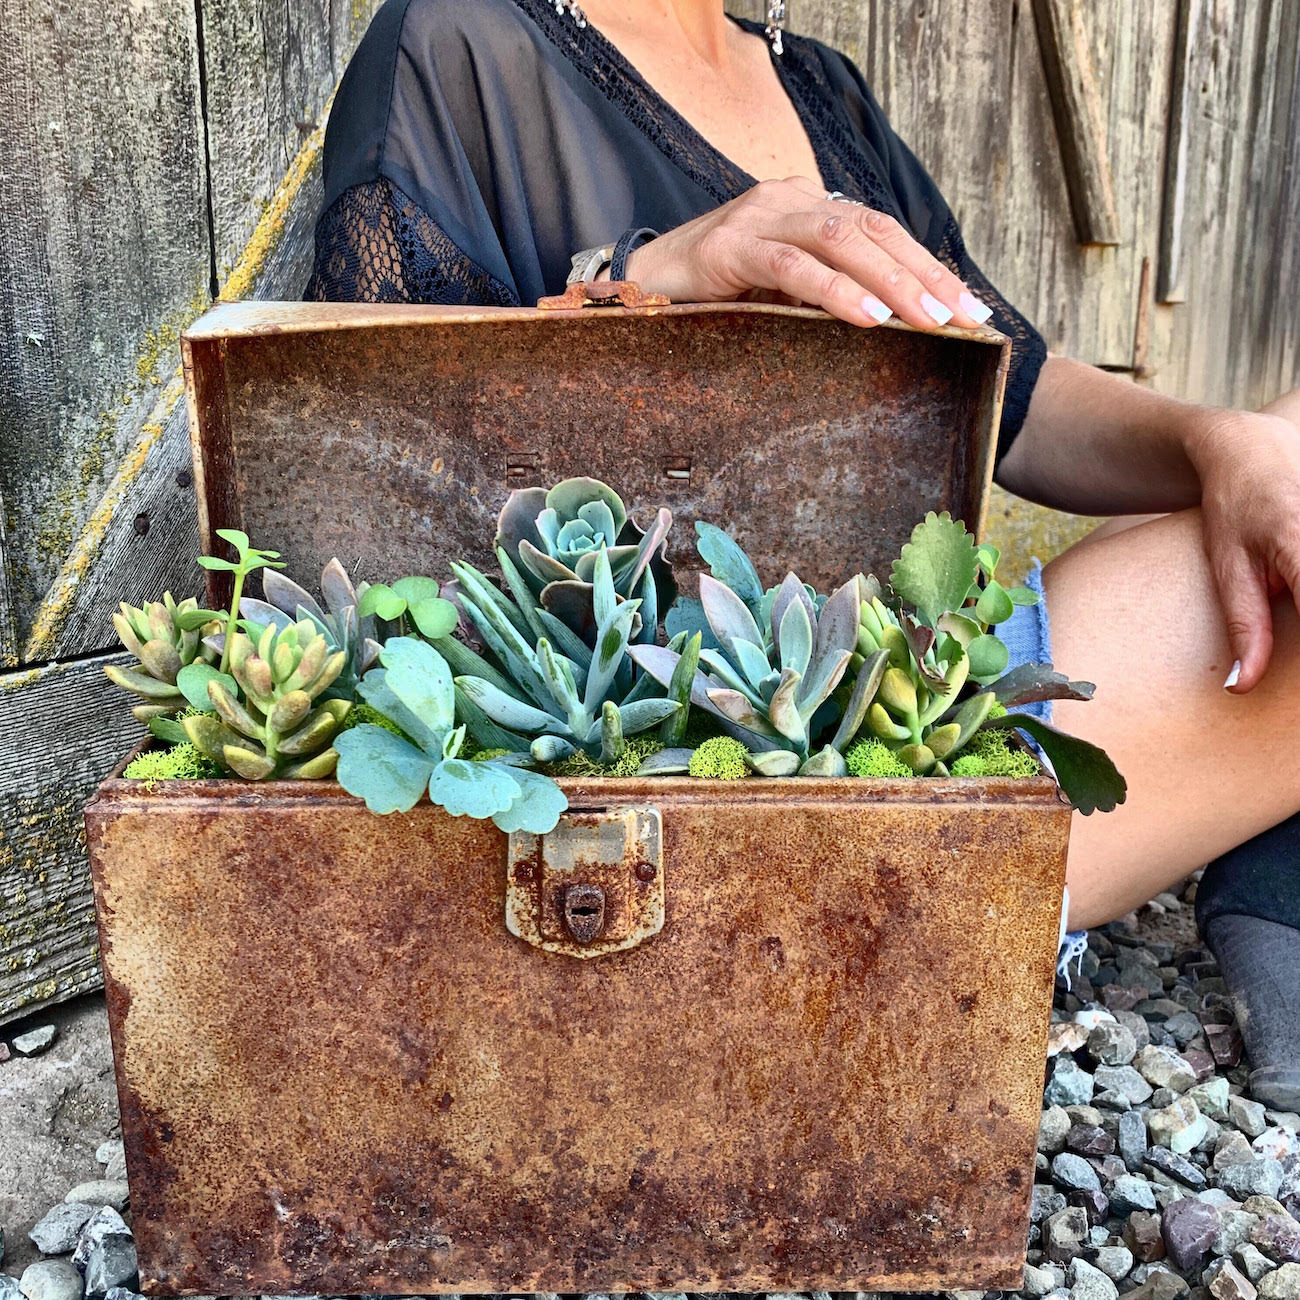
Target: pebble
1211,1097
57,1232
1157,1283
1115,1261
1112,1044
1259,1178
1069,1085
1090,1283
9,1288
1037,1282
101,1191
1132,1140
1129,1193
1180,1127
1065,1036
1232,1149
1190,1227
1096,1205
1123,1079
35,1041
1142,1235
1052,1130
4,1056
1184,1027
1225,1044
1074,1173
1278,1237
1247,1115
1090,1140
51,1279
1162,1067
1265,1206
1235,1227
107,1222
1176,1166
1252,1261
1044,1202
1274,1144
1281,1284
110,1263
1113,1100
1227,1282
1064,1234
112,1156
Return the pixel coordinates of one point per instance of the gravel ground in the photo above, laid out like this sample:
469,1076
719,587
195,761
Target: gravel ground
1158,1177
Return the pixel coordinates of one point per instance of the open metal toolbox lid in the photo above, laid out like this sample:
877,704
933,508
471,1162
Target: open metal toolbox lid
390,436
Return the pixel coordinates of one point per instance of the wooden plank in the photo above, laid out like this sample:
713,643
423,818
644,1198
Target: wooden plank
8,617
103,237
65,726
1178,139
1080,123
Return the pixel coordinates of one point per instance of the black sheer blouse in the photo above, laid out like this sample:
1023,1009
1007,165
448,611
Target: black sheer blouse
475,145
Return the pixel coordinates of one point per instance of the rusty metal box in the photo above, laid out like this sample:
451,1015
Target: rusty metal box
356,1054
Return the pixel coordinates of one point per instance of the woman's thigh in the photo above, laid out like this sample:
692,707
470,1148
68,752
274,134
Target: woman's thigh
1136,613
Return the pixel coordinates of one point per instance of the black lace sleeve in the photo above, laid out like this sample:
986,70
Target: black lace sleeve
1028,351
376,244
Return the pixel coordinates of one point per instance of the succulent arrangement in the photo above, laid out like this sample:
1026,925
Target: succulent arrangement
584,659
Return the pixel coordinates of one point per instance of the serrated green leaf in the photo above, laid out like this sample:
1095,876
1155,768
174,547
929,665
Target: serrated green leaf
1085,773
937,567
479,790
536,808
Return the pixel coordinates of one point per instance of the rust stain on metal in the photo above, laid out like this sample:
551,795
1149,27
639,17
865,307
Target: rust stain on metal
341,1074
607,293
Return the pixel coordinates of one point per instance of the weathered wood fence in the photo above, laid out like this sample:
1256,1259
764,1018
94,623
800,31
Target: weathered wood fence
1128,173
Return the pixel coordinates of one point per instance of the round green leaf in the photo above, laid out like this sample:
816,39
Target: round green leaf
988,657
416,588
468,789
383,601
434,617
994,605
192,682
385,770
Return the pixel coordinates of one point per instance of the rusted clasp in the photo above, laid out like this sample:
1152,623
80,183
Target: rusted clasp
602,293
593,885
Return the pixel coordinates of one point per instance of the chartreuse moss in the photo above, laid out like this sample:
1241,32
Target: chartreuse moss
182,762
990,754
367,713
722,759
635,752
873,757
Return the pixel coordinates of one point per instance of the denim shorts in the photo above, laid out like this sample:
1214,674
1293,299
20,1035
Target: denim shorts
1028,635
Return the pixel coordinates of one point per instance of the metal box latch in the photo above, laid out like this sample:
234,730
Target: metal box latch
593,885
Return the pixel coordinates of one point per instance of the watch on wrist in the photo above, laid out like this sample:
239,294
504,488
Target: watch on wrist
589,263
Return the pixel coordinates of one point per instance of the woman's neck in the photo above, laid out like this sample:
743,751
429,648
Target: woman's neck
700,26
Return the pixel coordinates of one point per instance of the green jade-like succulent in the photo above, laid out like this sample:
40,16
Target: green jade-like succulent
165,636
547,543
268,727
339,622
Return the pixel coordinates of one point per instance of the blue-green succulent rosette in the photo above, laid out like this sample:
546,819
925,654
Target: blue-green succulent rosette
548,540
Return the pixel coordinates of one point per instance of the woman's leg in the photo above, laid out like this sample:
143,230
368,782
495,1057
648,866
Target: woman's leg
1137,613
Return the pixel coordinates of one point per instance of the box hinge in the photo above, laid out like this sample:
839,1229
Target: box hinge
593,885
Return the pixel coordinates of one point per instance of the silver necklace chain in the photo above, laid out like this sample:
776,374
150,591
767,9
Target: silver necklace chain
775,19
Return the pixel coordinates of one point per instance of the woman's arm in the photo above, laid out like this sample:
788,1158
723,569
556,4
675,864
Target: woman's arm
1099,444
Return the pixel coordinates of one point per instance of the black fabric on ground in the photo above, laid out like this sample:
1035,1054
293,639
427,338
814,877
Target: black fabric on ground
1259,878
473,148
1260,964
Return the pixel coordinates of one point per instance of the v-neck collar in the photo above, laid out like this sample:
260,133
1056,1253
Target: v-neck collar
601,61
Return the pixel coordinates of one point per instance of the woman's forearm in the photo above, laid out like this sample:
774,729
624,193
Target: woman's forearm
1098,444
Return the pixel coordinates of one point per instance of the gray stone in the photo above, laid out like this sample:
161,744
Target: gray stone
1132,1140
1131,1193
1218,1198
1074,1172
124,1293
1044,1202
1190,1227
1279,1238
1089,1283
1037,1282
1114,1261
1069,1085
1180,1127
1247,1115
1184,1027
1156,1282
51,1279
1112,1044
35,1041
1232,1148
1176,1166
1235,1227
1123,1079
101,1191
1211,1097
1259,1178
112,1156
107,1222
1065,1036
1064,1234
57,1232
110,1263
1090,1140
1112,1100
1136,1026
1086,1115
1162,1067
1227,1282
1281,1284
9,1288
1052,1130
1252,1261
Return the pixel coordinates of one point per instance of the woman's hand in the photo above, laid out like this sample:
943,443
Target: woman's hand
785,238
1249,467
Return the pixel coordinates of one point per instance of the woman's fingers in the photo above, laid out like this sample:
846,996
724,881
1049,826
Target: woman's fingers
1247,615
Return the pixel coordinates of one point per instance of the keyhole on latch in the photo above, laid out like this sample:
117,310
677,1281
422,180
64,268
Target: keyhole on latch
584,911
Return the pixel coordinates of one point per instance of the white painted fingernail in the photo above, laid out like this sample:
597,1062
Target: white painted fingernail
1233,675
875,308
935,310
975,309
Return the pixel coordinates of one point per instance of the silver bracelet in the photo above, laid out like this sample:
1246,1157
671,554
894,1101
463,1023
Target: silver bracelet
589,263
